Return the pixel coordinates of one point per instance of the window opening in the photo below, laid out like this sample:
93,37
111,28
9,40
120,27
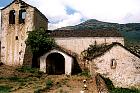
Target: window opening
12,15
113,64
16,37
22,15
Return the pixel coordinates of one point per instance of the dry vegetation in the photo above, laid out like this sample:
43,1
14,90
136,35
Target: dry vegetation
28,80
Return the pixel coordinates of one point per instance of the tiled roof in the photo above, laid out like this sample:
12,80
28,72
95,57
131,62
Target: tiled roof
100,51
86,33
64,50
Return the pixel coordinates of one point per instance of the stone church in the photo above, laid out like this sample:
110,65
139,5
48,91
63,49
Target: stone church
78,41
18,18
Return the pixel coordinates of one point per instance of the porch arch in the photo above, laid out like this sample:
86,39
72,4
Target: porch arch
55,64
68,61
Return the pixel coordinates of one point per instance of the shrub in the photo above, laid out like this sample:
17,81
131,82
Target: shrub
5,89
40,41
49,84
85,73
124,90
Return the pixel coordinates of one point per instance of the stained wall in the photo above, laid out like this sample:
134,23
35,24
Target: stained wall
126,72
79,44
14,35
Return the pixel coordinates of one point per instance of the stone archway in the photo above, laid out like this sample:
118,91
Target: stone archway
55,64
54,57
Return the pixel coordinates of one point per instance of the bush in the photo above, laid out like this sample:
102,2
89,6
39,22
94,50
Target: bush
95,50
85,73
49,84
124,90
40,41
5,89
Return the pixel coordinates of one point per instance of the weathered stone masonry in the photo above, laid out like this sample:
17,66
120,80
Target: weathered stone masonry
119,65
14,34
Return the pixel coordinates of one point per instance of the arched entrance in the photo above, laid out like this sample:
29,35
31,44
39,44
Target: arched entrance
55,64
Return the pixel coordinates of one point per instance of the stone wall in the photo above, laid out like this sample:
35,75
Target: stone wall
126,72
100,83
79,44
39,20
14,35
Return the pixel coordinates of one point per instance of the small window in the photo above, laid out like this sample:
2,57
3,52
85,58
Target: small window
12,15
16,37
22,15
23,5
113,64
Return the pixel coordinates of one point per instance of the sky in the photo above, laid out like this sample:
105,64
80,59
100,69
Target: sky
72,12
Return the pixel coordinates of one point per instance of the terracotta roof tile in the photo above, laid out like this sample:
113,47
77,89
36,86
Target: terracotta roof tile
106,48
86,33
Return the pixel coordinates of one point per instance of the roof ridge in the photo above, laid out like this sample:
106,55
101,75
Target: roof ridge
116,43
28,5
86,33
111,46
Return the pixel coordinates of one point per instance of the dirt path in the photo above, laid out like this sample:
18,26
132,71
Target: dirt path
21,82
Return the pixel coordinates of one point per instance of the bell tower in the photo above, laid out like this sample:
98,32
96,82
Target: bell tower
17,1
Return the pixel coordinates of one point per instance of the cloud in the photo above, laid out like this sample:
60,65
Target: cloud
70,12
69,21
106,10
58,13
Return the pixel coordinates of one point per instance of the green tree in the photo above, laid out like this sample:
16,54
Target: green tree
39,42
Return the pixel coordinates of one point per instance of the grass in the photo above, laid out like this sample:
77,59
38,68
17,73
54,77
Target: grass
85,73
27,69
49,84
124,90
5,89
38,91
2,78
17,79
62,91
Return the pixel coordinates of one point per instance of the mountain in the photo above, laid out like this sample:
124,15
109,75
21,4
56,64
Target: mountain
130,31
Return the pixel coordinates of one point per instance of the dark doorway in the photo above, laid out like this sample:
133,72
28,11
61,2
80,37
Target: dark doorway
12,16
76,67
55,64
